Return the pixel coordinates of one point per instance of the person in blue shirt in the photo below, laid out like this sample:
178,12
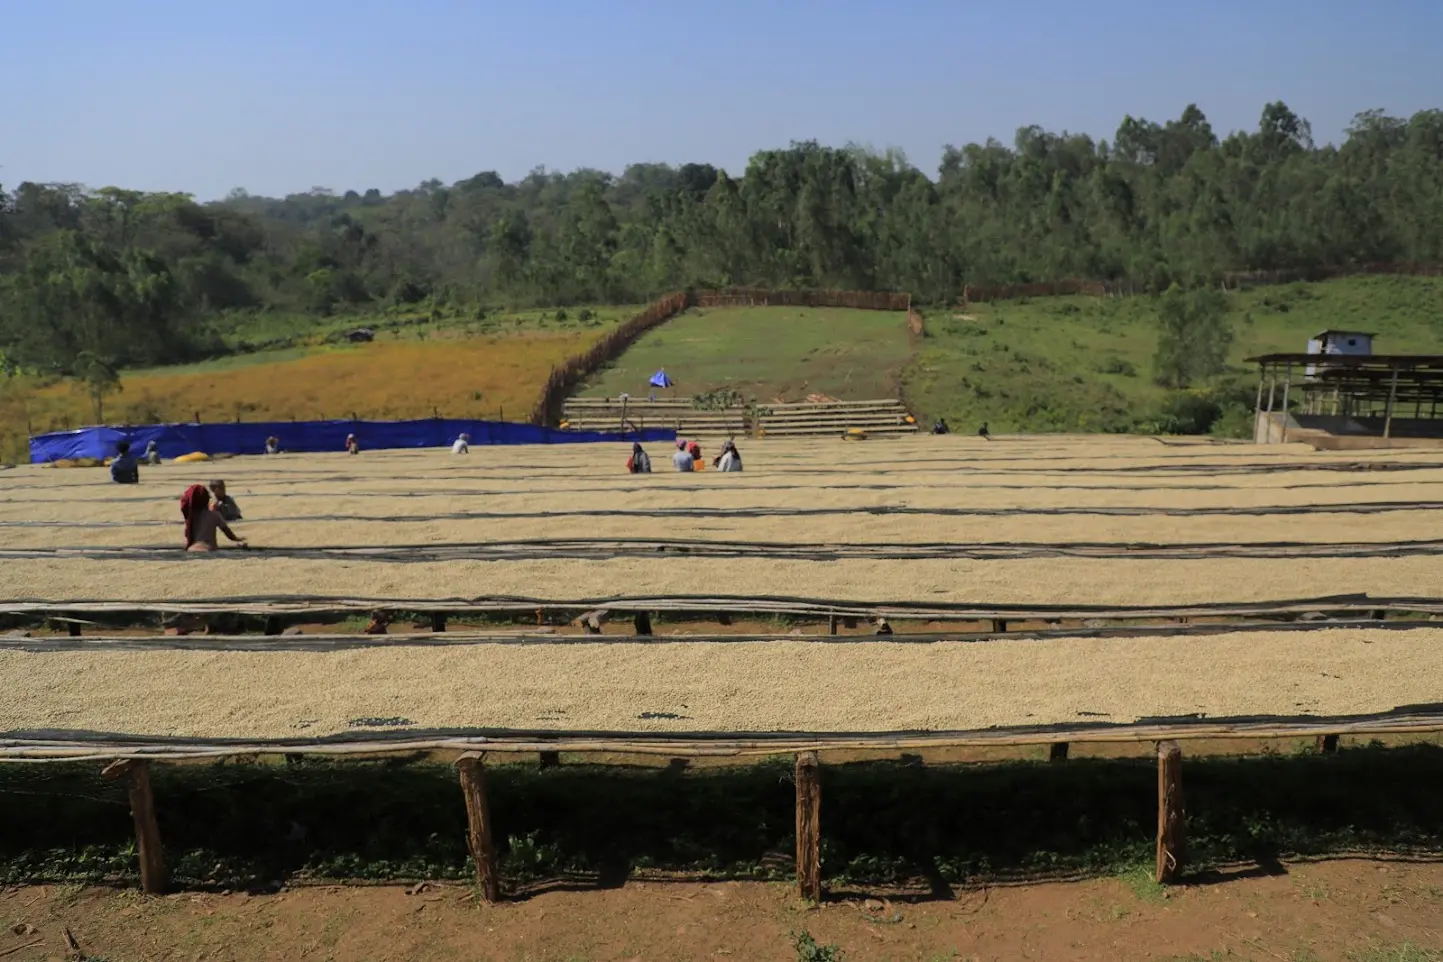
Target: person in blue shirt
123,467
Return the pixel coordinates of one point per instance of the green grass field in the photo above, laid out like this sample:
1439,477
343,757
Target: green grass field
251,332
1085,363
768,353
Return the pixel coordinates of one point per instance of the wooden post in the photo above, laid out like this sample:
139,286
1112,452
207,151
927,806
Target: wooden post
809,827
1388,413
549,759
1287,384
642,621
478,825
1057,752
1327,744
831,624
74,629
147,829
273,625
1171,814
1258,404
438,621
999,625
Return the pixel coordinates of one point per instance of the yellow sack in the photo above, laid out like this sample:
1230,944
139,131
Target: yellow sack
191,458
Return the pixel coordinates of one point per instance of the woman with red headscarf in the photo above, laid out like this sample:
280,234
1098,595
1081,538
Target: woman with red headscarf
202,521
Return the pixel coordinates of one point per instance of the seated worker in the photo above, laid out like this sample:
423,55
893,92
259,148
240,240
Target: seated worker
123,467
640,461
462,444
273,445
224,503
202,521
730,458
694,450
352,445
152,453
941,427
682,459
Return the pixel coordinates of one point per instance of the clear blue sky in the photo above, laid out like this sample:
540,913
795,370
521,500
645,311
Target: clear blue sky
277,97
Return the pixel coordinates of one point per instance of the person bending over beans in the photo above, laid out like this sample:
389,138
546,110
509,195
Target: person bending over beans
202,521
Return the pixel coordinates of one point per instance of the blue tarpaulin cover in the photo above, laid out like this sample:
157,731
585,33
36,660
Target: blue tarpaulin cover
659,379
173,440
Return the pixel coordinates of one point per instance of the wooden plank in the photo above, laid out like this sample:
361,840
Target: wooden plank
818,608
809,827
1171,813
705,744
478,825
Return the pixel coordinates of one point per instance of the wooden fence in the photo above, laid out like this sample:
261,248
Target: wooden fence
1236,280
761,297
564,379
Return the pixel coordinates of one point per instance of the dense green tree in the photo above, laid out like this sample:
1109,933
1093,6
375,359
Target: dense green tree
142,278
1193,336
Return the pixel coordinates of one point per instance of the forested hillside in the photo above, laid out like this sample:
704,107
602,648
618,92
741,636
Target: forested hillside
92,280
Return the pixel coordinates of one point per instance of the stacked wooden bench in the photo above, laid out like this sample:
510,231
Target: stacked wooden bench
883,418
679,414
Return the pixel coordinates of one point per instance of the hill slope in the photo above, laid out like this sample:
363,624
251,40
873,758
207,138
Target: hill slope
1085,363
768,353
456,366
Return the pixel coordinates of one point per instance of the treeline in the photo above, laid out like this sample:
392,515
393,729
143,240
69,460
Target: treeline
137,278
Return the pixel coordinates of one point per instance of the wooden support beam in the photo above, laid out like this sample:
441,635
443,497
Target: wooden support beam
999,625
1171,813
1388,412
1287,384
1057,752
74,628
809,827
438,621
1327,744
642,621
478,825
273,625
147,830
831,624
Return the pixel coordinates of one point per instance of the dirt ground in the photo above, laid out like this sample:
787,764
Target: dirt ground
1363,910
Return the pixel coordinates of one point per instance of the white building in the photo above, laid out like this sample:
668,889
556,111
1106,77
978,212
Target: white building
1354,343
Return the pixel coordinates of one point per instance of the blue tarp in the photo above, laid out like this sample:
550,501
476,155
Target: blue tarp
659,379
173,440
